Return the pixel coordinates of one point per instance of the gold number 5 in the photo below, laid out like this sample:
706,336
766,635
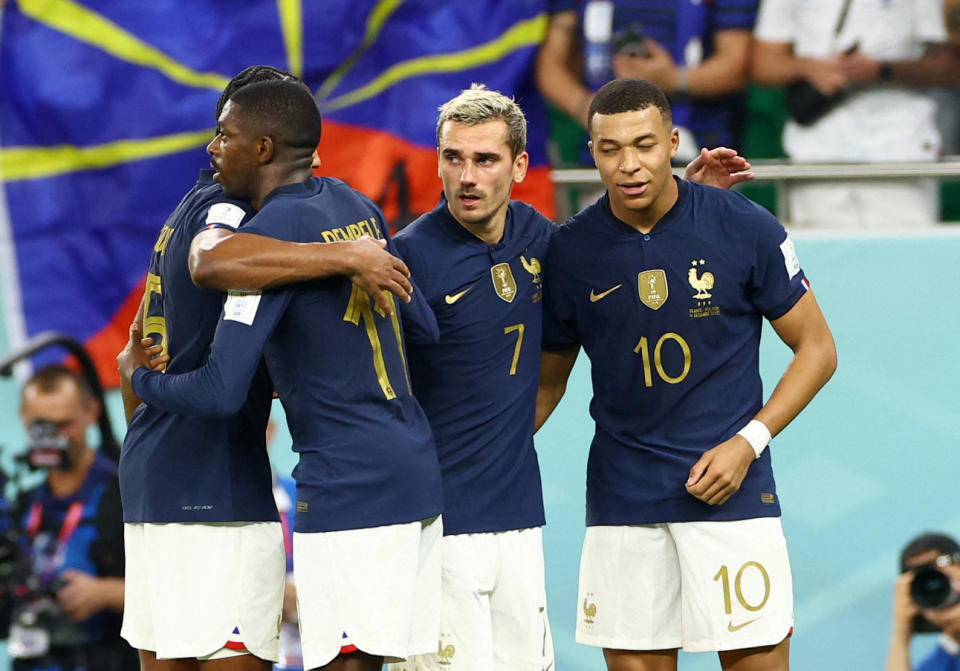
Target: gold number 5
519,328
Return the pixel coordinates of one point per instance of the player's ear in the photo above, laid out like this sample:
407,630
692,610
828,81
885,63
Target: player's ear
265,149
520,165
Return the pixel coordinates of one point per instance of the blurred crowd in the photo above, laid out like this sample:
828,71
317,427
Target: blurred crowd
863,81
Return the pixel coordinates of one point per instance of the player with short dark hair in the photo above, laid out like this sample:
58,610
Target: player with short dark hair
665,284
191,483
628,95
368,484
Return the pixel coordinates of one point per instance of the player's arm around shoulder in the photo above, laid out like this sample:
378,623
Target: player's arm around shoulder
223,259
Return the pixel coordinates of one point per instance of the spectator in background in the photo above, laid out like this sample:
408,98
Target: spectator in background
696,52
875,53
65,611
948,99
942,612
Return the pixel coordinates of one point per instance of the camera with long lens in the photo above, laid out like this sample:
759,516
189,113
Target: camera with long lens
30,615
46,447
933,589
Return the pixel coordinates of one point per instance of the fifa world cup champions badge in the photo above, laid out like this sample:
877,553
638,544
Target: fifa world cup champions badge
503,282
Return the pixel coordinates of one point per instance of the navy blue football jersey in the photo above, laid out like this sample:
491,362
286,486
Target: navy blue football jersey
367,456
671,322
478,384
194,469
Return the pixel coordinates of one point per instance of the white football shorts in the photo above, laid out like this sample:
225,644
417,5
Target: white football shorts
203,591
376,590
494,614
697,585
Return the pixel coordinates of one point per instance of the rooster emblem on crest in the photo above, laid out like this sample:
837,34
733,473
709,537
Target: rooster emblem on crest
702,284
590,610
446,653
533,267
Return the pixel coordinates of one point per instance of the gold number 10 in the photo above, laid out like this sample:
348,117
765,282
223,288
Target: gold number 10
643,349
722,575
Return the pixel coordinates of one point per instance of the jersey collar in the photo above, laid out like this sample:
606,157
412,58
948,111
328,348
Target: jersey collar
683,197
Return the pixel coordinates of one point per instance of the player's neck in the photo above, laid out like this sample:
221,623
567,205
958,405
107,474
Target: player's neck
275,179
646,219
67,481
490,230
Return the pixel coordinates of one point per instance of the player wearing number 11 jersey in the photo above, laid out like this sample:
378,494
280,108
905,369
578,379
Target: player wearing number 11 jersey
665,285
368,485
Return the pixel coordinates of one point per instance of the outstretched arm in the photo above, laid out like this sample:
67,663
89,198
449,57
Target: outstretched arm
221,259
555,370
718,474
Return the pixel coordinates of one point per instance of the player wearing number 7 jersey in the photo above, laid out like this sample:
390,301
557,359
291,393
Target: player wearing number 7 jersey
366,542
478,259
665,285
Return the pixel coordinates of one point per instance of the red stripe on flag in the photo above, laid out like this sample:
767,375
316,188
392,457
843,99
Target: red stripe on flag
342,143
104,345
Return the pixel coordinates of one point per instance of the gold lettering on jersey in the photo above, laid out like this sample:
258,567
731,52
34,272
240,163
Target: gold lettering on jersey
503,282
154,323
303,507
703,283
705,311
162,240
589,609
767,497
353,231
652,285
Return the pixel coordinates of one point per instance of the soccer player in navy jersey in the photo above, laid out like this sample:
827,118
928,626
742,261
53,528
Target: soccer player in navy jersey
366,545
478,262
200,486
665,285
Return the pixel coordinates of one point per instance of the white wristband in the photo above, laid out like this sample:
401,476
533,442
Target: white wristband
757,434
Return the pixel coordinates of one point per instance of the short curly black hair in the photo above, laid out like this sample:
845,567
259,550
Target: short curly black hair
254,73
628,95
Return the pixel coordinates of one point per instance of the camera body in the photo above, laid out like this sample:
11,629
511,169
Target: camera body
47,447
932,588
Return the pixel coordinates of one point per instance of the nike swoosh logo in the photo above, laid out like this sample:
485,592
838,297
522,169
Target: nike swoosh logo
451,299
737,627
594,297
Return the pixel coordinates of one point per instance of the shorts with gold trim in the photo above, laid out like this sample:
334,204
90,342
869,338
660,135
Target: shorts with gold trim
697,585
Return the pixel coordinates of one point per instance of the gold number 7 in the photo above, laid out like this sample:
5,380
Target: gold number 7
519,328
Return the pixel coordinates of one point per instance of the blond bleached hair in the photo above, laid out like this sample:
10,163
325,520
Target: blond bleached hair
477,105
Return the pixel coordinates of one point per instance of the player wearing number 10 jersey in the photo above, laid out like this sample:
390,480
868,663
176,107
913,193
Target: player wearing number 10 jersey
665,285
368,483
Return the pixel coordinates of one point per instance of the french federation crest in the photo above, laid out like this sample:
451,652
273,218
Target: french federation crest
652,285
503,282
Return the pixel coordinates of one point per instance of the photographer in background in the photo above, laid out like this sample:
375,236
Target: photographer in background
927,598
64,588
